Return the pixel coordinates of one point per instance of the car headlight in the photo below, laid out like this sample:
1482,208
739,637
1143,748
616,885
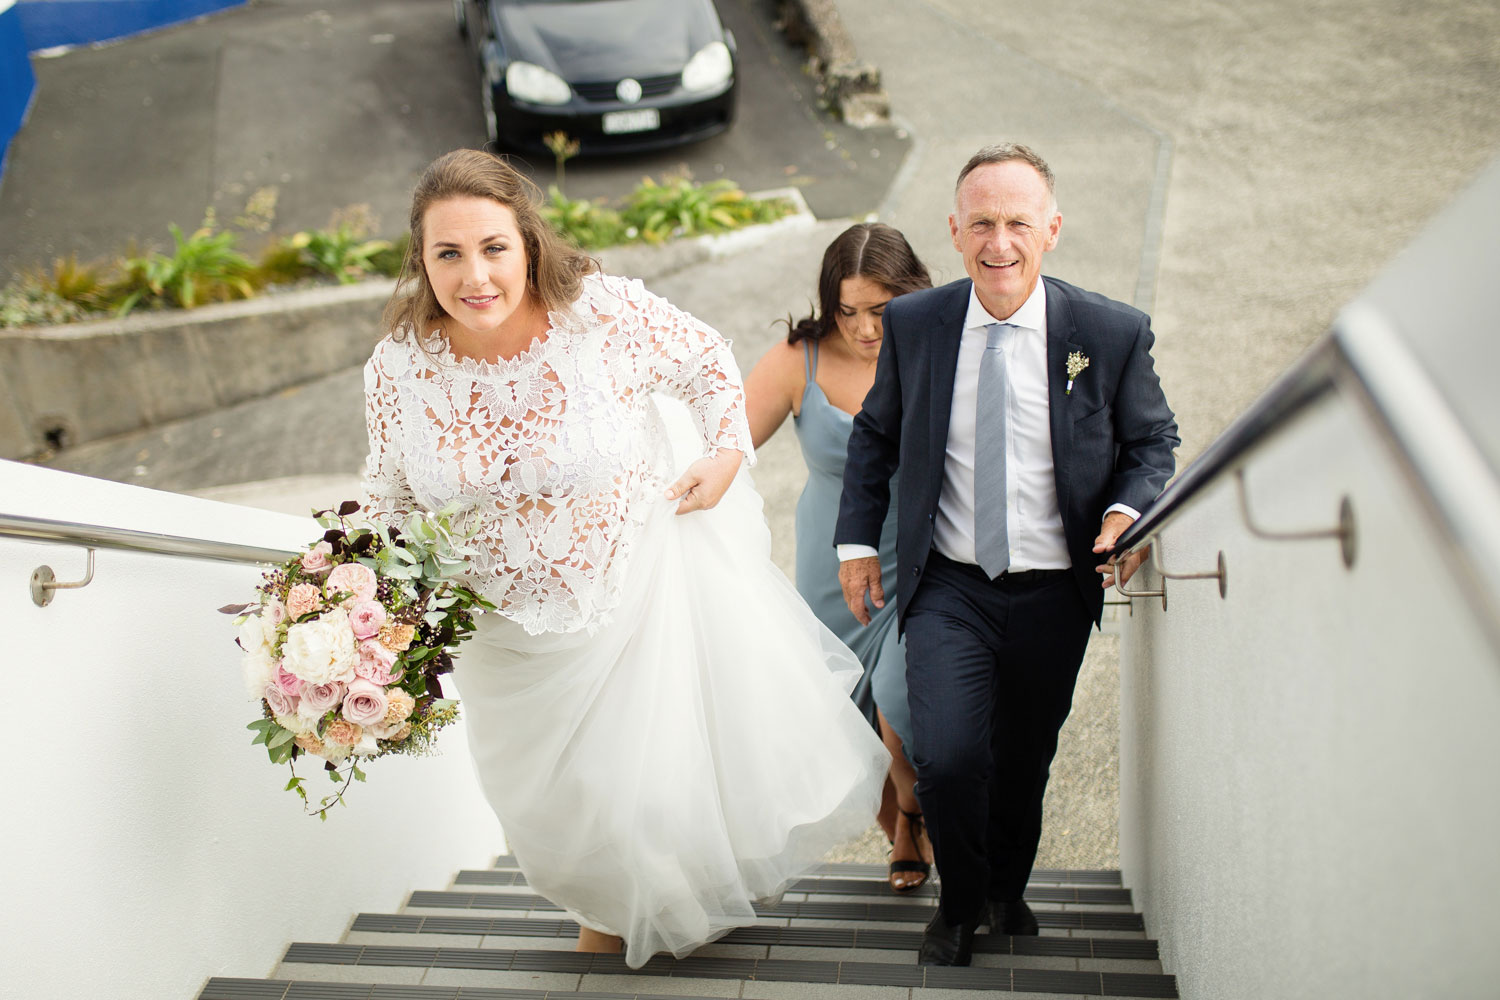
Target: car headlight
530,82
710,67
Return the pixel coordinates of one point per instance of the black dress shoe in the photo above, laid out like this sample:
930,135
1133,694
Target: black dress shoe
947,944
1011,917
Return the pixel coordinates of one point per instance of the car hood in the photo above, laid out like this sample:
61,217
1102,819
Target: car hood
608,39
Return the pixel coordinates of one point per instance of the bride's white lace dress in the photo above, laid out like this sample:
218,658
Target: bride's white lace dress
660,723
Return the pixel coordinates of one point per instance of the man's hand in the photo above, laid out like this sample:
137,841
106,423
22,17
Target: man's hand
858,576
1114,526
705,481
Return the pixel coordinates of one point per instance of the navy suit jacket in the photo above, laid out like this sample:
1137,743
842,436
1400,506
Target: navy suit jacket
1112,437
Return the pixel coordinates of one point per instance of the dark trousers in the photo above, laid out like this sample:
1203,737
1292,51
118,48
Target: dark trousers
990,669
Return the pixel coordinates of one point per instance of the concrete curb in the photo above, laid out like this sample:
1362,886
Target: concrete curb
852,87
67,385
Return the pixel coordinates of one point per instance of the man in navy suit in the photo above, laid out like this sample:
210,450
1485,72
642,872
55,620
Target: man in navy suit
1030,430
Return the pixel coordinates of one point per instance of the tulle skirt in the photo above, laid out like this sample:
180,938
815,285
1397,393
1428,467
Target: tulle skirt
698,752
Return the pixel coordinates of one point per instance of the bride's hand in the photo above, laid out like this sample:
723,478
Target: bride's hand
705,481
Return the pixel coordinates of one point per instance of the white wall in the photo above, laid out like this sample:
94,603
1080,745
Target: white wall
147,845
1309,769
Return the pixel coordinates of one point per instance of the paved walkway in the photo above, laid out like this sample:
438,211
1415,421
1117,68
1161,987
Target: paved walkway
1240,170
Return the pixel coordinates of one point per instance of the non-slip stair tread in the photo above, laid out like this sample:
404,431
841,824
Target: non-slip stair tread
1091,876
1114,920
772,935
850,887
227,988
861,973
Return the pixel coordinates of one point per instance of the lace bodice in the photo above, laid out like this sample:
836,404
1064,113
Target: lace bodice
555,456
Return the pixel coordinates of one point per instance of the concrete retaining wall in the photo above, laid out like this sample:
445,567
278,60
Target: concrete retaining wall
62,386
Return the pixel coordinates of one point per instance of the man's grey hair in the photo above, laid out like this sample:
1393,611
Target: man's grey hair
1005,152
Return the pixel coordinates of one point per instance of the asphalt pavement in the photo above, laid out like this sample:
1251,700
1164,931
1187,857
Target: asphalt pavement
340,102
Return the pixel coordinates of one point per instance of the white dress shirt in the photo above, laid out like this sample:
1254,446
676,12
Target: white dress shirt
1033,520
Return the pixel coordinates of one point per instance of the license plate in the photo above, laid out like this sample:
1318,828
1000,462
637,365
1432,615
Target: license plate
637,120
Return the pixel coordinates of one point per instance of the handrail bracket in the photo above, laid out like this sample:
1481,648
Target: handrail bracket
44,585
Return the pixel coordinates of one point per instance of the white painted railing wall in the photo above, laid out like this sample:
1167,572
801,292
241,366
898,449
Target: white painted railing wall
1309,767
147,845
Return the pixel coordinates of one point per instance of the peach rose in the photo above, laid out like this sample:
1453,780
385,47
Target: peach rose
355,578
316,559
302,599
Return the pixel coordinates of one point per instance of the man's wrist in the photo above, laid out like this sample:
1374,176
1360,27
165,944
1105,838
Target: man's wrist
1129,512
850,550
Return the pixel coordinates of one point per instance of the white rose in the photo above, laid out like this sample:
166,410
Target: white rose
297,724
366,745
321,650
259,665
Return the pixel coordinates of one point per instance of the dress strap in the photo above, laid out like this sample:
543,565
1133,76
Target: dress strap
810,359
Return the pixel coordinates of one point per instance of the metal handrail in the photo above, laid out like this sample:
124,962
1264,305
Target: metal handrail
1364,358
40,529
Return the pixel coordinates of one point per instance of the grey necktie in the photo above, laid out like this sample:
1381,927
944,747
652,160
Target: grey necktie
991,534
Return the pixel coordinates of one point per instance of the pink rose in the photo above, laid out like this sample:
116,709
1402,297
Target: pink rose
281,703
319,698
274,613
377,663
355,578
366,618
342,732
286,680
302,599
365,704
316,560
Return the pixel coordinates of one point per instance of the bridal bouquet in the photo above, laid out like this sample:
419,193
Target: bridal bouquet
345,643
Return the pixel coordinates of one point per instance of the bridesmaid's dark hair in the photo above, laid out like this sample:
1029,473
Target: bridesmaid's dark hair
870,250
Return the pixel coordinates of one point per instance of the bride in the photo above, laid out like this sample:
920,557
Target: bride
659,722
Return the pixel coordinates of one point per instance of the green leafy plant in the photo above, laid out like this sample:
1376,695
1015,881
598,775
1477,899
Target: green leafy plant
677,207
204,267
588,224
29,303
342,250
388,261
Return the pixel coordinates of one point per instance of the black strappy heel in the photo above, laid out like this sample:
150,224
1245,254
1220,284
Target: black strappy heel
914,820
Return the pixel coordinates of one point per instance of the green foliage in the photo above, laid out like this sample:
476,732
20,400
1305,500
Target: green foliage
388,261
563,149
342,250
28,303
283,264
204,267
678,207
589,225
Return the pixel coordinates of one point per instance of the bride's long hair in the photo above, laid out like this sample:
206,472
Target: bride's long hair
554,268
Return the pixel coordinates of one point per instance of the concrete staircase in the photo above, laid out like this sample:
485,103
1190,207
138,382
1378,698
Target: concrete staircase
840,934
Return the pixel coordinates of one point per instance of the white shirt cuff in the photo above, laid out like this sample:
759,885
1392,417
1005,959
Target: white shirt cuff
1130,512
849,551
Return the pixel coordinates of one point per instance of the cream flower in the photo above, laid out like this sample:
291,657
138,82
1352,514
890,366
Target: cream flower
321,650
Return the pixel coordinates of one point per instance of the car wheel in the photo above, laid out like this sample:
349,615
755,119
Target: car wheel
461,18
487,102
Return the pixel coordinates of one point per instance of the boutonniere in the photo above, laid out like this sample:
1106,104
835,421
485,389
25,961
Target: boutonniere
1076,364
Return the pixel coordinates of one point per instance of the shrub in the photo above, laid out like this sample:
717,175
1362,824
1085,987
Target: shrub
203,267
588,224
678,207
342,250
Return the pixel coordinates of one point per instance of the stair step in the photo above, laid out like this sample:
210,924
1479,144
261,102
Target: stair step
583,971
1104,920
770,935
850,887
1083,876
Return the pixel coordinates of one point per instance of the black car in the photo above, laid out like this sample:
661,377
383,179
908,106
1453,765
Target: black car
616,75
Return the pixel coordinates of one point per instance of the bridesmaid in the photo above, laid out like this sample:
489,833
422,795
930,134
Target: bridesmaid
820,375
